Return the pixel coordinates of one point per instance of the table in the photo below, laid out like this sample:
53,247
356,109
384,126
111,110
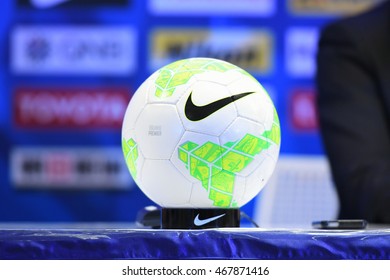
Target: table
240,243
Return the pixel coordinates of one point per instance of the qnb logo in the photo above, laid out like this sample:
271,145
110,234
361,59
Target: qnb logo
85,50
38,50
72,108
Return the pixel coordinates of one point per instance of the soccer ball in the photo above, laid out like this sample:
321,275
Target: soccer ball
201,133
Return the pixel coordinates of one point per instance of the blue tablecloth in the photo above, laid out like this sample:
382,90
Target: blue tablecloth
241,243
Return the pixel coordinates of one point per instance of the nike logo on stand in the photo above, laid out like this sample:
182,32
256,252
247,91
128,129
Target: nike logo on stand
197,113
198,222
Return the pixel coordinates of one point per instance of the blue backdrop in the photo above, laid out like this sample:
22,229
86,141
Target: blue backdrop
68,69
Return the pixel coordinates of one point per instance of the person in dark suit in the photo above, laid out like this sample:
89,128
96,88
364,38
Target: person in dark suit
353,100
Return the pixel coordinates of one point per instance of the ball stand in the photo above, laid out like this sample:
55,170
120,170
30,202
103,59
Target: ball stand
199,218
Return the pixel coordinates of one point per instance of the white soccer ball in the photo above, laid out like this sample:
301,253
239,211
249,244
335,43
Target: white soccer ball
201,133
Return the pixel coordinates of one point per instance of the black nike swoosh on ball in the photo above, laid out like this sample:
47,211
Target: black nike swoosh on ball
197,113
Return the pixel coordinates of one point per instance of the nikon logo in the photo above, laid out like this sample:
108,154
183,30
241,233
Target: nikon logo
248,49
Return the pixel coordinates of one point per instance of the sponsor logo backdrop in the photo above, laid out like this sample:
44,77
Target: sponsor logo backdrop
69,67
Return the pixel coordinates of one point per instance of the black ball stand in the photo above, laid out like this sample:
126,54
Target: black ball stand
199,218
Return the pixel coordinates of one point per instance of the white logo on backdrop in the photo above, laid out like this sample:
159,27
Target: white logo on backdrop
37,50
301,49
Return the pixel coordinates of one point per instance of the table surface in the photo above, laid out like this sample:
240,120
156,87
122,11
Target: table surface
126,241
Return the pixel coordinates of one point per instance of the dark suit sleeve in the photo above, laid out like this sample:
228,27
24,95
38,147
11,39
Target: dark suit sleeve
353,124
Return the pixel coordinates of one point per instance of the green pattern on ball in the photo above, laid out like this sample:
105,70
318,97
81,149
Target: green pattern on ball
216,166
180,72
274,134
130,151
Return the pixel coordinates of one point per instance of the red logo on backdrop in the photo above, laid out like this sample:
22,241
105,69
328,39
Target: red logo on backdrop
303,110
70,107
59,167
